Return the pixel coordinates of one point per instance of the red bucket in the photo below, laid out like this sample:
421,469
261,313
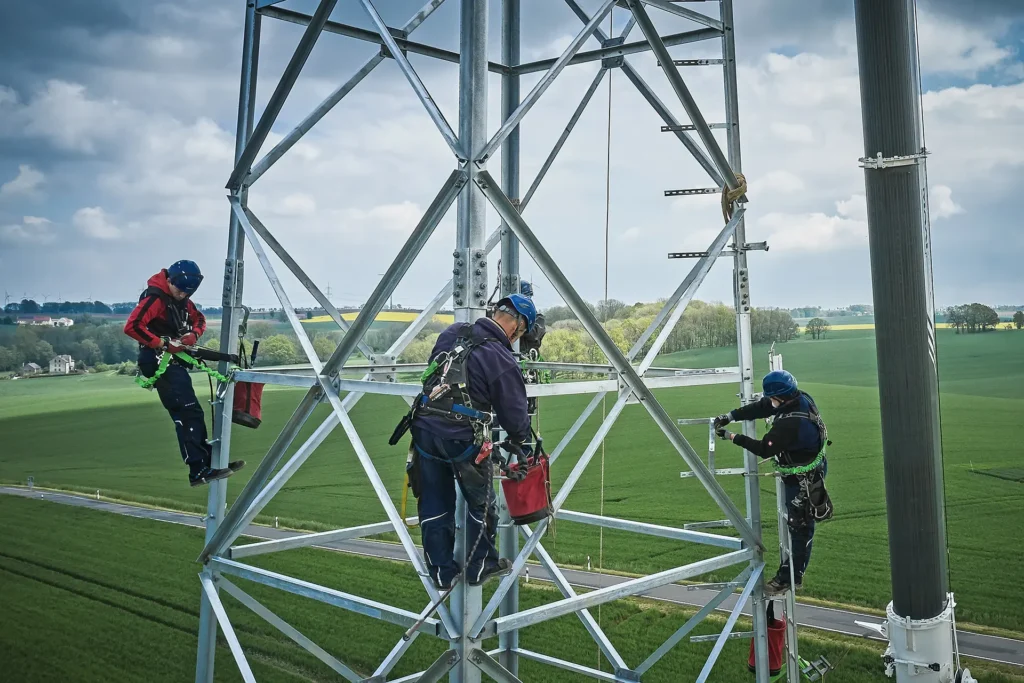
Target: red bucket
529,499
776,646
248,406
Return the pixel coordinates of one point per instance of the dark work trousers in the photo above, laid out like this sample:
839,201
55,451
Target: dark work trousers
802,537
440,468
179,398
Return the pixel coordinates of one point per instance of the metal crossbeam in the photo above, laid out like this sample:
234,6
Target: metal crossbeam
330,596
225,625
335,97
289,630
306,540
692,622
625,589
730,623
365,35
281,92
667,6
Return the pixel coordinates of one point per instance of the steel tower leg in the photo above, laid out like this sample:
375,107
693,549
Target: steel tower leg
508,546
744,341
231,302
471,282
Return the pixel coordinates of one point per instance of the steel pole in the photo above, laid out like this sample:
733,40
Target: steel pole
470,281
904,326
231,302
744,340
508,543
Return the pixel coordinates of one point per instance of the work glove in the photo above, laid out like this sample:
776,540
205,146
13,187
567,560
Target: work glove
723,434
722,420
189,339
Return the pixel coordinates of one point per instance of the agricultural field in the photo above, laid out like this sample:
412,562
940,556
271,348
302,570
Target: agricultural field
93,597
103,433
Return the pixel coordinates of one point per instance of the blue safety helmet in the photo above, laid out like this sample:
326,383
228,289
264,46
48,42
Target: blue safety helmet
185,276
522,306
778,383
526,289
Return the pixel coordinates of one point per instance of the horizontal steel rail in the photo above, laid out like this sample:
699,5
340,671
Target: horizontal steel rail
729,542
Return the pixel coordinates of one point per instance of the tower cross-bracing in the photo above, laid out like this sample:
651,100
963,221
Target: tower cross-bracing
483,638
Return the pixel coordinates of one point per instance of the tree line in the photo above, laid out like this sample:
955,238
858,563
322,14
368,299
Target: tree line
972,318
31,307
702,325
91,342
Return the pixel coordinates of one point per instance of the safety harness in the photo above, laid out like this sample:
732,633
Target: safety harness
165,361
445,394
812,503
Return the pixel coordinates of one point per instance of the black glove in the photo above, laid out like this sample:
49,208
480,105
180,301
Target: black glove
723,434
722,420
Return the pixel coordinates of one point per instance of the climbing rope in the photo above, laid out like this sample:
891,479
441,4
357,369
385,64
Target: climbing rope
729,197
165,361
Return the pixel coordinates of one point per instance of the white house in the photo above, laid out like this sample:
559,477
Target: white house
62,365
62,322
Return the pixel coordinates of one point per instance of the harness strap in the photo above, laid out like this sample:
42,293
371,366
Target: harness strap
165,361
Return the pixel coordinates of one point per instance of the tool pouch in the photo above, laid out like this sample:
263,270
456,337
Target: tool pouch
401,428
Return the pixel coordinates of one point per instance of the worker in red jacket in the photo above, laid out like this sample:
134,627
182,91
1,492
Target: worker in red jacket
166,321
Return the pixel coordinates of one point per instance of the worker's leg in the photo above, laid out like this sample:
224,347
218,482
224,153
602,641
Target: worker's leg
179,398
801,532
436,510
482,523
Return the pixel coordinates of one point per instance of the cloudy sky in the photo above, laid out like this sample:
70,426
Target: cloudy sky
116,138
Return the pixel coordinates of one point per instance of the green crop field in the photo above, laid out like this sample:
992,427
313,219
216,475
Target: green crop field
104,433
89,596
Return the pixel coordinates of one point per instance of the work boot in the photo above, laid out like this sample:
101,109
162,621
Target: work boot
500,568
236,465
780,583
208,474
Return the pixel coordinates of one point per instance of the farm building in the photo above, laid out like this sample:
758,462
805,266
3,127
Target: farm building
62,365
30,369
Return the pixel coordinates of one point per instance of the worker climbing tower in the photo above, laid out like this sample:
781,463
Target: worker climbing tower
483,638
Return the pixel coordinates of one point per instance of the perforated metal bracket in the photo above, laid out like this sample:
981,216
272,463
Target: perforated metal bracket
234,269
383,367
878,162
469,277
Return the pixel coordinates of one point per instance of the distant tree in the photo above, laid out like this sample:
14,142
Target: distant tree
8,320
10,359
772,325
608,309
956,317
817,328
50,307
87,352
277,350
12,308
100,307
282,316
324,346
29,307
1018,319
419,350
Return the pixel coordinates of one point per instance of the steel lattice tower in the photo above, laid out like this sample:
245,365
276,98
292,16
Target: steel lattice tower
466,622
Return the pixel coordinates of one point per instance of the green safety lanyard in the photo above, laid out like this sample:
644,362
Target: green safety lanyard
801,469
165,360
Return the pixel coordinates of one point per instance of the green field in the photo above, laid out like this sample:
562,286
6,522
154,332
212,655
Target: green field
89,596
104,433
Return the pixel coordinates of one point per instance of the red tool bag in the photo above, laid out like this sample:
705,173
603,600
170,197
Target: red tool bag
529,498
248,406
776,643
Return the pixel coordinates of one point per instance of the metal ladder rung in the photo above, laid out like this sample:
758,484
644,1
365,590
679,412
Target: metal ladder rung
686,127
692,191
697,62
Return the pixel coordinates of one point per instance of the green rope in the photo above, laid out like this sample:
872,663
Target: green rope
801,469
165,361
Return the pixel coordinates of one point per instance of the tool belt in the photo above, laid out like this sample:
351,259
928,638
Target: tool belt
812,503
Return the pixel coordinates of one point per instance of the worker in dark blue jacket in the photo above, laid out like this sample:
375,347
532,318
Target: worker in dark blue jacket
796,442
475,379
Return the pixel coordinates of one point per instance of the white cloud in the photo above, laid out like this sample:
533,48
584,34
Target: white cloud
941,204
26,183
856,207
631,234
792,132
817,232
950,46
93,221
774,183
32,230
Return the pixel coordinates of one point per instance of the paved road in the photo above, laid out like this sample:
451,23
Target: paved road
992,648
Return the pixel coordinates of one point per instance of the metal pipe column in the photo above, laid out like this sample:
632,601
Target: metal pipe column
508,543
231,302
904,326
744,340
471,267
